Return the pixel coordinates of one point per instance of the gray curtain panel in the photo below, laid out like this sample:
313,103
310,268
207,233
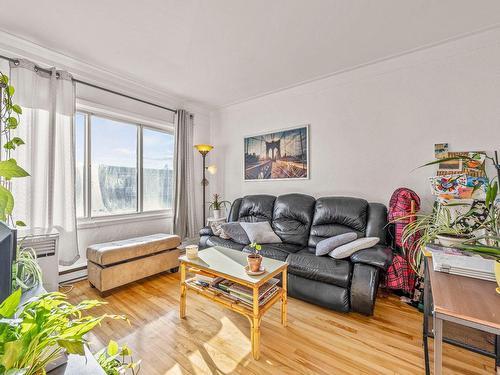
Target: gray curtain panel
184,203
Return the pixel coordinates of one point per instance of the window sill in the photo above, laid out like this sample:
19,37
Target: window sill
122,219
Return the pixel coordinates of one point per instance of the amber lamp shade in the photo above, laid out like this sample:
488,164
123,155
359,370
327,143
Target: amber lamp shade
203,149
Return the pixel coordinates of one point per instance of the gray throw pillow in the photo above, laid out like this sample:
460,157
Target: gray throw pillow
325,246
260,232
235,232
350,248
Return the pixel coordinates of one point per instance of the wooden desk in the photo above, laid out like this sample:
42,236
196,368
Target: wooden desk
462,300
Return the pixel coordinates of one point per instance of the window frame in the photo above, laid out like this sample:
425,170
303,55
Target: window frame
89,220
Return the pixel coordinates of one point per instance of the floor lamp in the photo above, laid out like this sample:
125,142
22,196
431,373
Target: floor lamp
204,150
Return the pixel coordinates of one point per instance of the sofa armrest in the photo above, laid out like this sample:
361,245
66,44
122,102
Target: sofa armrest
206,231
378,256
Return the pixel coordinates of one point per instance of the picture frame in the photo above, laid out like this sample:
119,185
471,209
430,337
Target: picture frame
281,154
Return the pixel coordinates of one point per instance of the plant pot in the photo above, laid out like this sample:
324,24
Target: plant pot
217,214
254,261
449,240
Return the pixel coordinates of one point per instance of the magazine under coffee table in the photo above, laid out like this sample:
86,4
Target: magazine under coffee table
230,265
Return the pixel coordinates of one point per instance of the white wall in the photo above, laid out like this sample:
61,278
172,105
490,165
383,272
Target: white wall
371,126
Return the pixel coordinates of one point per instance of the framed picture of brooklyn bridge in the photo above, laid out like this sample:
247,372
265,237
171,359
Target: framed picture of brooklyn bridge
282,154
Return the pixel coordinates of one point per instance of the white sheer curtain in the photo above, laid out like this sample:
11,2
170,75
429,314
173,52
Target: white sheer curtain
184,200
46,200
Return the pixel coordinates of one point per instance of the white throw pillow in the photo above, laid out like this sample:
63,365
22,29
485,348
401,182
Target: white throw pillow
260,232
350,248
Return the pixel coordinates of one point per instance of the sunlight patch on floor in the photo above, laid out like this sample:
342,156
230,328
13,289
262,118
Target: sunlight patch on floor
226,350
176,370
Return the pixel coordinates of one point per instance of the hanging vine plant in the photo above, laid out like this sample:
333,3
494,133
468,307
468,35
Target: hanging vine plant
9,120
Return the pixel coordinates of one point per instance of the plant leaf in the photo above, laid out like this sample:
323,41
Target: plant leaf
20,223
112,348
12,350
73,346
9,306
17,141
16,108
6,202
10,169
12,122
125,351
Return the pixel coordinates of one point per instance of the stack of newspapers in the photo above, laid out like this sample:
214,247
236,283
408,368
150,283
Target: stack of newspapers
456,262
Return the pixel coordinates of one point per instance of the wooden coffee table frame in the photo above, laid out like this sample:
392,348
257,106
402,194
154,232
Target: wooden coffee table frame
254,314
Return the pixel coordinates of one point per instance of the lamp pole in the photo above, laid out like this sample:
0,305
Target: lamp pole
204,183
204,149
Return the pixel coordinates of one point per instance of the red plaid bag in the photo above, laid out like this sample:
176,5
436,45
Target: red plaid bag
400,275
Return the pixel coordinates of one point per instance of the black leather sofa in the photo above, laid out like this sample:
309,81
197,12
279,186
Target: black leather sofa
301,221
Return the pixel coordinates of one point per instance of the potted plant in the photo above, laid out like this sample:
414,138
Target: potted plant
254,259
440,226
45,329
216,206
26,272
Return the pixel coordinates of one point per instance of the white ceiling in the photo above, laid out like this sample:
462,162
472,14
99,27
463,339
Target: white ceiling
220,52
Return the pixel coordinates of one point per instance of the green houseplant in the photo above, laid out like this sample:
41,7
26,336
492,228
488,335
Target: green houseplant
427,228
116,360
254,259
217,205
9,120
45,328
26,272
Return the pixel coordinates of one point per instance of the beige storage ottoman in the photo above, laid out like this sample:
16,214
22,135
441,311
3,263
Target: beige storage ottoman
113,264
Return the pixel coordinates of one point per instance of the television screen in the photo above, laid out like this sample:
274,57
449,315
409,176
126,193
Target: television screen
8,244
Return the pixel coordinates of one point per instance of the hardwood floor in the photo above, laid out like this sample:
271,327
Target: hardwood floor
213,340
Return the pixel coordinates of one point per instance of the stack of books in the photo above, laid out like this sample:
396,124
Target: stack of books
244,294
205,279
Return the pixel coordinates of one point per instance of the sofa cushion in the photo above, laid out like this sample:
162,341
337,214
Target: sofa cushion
206,231
278,251
337,215
325,269
217,241
261,232
345,251
118,251
376,223
292,217
235,232
325,246
235,210
255,208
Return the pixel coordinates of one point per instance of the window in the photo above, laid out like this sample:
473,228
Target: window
157,166
111,176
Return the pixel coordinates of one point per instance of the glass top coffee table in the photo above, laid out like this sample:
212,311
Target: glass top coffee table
227,264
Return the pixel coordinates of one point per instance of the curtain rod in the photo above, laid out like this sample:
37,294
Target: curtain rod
38,68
